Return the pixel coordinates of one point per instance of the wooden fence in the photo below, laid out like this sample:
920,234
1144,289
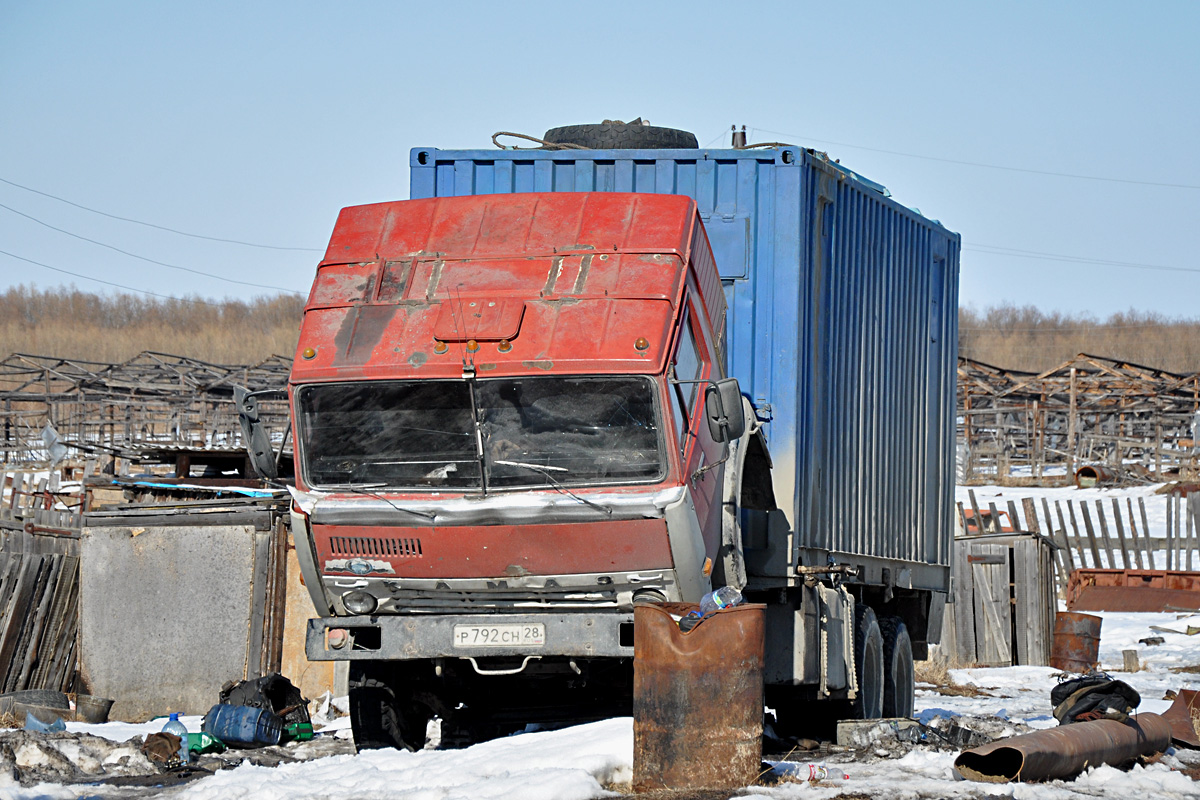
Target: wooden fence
1111,533
39,583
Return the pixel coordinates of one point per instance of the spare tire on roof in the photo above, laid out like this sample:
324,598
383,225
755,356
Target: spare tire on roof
617,135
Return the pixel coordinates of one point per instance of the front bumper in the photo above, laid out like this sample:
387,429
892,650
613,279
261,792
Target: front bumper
412,637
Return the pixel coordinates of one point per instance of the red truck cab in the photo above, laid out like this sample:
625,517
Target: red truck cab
511,423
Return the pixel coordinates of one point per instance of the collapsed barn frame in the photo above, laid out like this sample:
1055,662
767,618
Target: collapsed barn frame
1132,420
153,408
1013,426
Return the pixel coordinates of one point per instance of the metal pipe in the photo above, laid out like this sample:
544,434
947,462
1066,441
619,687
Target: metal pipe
1065,751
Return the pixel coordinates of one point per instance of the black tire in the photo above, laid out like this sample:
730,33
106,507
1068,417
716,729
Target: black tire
899,681
46,698
868,663
616,135
375,717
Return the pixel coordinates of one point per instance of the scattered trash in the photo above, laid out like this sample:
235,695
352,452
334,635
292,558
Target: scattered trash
1065,751
174,726
276,694
710,603
91,709
34,724
820,772
243,726
942,734
298,732
203,743
1093,696
162,748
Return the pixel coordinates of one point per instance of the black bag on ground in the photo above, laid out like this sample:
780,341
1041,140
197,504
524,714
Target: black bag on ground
273,692
1093,696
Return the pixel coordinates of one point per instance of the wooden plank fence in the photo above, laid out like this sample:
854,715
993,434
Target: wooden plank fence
1107,533
39,583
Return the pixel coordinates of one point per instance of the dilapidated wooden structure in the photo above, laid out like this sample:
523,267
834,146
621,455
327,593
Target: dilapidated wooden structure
1023,427
147,408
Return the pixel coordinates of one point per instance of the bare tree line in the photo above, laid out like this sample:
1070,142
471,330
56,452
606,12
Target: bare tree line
69,323
1028,339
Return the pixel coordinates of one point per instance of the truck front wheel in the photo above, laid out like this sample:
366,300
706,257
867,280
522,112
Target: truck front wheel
377,719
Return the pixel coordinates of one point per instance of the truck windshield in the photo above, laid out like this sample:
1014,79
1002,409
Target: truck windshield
531,432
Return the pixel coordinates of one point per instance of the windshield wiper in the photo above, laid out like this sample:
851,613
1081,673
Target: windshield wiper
362,488
545,471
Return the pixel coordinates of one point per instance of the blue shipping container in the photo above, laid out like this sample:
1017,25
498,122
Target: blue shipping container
842,328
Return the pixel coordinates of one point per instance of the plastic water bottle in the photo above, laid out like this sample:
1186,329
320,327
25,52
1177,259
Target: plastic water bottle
724,597
820,772
176,727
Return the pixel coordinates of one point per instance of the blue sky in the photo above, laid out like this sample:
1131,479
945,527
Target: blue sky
257,122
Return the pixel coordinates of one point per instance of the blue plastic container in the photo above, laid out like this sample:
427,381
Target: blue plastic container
243,725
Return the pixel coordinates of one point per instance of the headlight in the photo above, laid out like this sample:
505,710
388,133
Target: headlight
360,603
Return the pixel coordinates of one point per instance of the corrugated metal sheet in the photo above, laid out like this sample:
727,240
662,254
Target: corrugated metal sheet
842,323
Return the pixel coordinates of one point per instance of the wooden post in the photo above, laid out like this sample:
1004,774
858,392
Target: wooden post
1091,534
1131,660
1189,514
1061,538
1116,507
1146,531
1133,533
1108,547
1158,443
1072,421
1170,528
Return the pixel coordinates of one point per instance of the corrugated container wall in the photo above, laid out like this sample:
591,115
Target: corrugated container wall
842,323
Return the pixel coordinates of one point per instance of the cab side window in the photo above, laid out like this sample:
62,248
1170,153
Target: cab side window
688,366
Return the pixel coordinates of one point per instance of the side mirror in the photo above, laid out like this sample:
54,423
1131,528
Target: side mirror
254,435
723,408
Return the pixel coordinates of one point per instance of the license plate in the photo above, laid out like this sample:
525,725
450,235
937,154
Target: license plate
532,634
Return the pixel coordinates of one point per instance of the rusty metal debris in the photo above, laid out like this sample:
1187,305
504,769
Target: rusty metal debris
1133,590
1065,751
1093,475
1183,716
697,699
1076,641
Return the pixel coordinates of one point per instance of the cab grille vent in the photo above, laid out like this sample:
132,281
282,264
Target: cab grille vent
374,546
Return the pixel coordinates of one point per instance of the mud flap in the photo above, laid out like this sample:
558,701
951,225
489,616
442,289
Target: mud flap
837,642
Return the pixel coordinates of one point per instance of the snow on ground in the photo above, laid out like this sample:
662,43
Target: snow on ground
593,760
590,761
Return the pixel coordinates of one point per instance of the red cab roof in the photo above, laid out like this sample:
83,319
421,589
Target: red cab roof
556,282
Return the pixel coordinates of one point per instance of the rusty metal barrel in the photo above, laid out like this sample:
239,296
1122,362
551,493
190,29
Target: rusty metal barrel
697,699
1076,641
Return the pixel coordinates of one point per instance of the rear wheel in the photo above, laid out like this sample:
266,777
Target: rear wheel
868,661
377,718
899,685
